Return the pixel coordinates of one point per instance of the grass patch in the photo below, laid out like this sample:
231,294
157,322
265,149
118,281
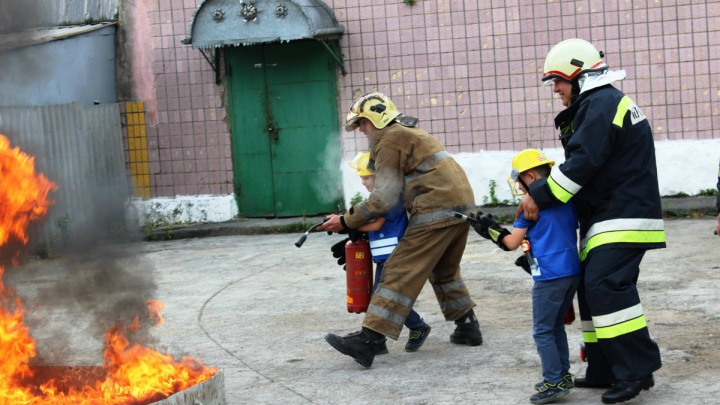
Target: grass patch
679,214
708,192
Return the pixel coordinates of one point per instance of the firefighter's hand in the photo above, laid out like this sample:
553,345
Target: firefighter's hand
528,206
717,230
332,224
522,261
338,252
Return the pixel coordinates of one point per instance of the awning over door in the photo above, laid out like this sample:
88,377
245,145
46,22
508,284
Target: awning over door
218,23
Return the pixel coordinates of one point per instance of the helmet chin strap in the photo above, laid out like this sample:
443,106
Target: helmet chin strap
575,90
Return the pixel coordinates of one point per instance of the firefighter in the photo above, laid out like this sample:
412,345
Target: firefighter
409,162
611,175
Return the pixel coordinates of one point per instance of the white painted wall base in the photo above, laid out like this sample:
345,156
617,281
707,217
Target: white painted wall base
683,166
183,209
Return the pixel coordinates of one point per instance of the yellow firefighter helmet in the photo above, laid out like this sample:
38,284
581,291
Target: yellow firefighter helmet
360,165
376,107
571,58
522,162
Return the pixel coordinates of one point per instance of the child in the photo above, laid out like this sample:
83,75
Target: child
384,232
553,240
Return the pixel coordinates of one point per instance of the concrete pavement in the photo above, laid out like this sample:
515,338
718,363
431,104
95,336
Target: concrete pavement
258,307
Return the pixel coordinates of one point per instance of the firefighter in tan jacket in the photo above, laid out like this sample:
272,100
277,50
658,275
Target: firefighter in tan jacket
410,162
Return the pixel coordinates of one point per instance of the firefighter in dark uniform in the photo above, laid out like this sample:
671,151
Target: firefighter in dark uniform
611,176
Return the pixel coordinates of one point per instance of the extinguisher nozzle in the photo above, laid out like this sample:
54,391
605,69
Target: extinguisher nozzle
301,240
305,235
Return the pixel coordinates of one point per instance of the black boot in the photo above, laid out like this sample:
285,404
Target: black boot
467,331
624,390
362,345
583,382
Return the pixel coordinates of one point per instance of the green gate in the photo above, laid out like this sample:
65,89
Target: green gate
285,136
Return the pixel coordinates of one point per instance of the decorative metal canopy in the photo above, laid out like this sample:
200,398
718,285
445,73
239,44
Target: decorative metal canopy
220,23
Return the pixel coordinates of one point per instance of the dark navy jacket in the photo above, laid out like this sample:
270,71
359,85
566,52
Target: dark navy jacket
609,172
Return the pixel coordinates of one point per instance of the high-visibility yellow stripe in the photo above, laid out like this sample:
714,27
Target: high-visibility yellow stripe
622,109
590,337
559,192
618,317
621,328
622,224
622,237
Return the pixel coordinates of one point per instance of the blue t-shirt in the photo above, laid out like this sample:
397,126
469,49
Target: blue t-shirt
553,241
384,240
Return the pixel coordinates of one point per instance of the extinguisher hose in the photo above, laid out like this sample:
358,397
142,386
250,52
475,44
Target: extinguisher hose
305,235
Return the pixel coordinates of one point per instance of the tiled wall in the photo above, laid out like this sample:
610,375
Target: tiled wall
190,147
469,69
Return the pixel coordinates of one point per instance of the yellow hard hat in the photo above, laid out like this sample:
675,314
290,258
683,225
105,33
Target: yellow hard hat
360,164
376,107
570,58
524,161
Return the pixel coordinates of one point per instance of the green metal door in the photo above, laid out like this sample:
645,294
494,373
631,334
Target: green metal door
286,148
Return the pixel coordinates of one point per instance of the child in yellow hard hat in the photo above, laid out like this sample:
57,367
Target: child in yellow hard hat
384,233
553,239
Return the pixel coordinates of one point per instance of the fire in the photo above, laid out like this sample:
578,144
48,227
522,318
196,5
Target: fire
135,374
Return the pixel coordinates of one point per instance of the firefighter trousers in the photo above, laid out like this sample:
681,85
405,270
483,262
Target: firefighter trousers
617,341
421,254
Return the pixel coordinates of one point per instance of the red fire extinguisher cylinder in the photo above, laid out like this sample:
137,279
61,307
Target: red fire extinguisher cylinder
359,275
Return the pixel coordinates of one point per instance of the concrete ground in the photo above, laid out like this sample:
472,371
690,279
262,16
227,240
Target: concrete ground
258,307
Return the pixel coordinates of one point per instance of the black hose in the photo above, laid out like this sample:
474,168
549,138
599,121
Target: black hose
305,235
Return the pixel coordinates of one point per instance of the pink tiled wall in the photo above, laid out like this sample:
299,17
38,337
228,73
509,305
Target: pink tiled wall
190,151
469,69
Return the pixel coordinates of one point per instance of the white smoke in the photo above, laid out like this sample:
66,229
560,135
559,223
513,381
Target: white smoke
328,185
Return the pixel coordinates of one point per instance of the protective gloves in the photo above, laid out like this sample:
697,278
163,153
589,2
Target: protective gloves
489,229
338,252
522,261
354,234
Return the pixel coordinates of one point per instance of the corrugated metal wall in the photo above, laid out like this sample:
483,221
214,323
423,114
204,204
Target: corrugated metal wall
81,149
20,14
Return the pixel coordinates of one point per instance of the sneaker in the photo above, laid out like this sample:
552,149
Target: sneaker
355,345
567,377
550,392
417,338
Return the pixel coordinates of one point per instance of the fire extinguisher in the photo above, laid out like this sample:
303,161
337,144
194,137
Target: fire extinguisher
359,275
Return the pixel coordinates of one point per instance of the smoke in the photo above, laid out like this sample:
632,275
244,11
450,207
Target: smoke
328,186
78,297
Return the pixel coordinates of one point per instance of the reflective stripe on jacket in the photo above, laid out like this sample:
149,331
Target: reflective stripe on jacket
413,161
609,172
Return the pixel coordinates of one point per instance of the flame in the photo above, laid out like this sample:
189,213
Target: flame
135,374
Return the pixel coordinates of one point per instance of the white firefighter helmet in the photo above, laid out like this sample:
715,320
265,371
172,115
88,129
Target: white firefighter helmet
522,162
375,106
571,58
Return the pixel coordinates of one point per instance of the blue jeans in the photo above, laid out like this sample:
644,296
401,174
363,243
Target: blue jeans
413,320
551,300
